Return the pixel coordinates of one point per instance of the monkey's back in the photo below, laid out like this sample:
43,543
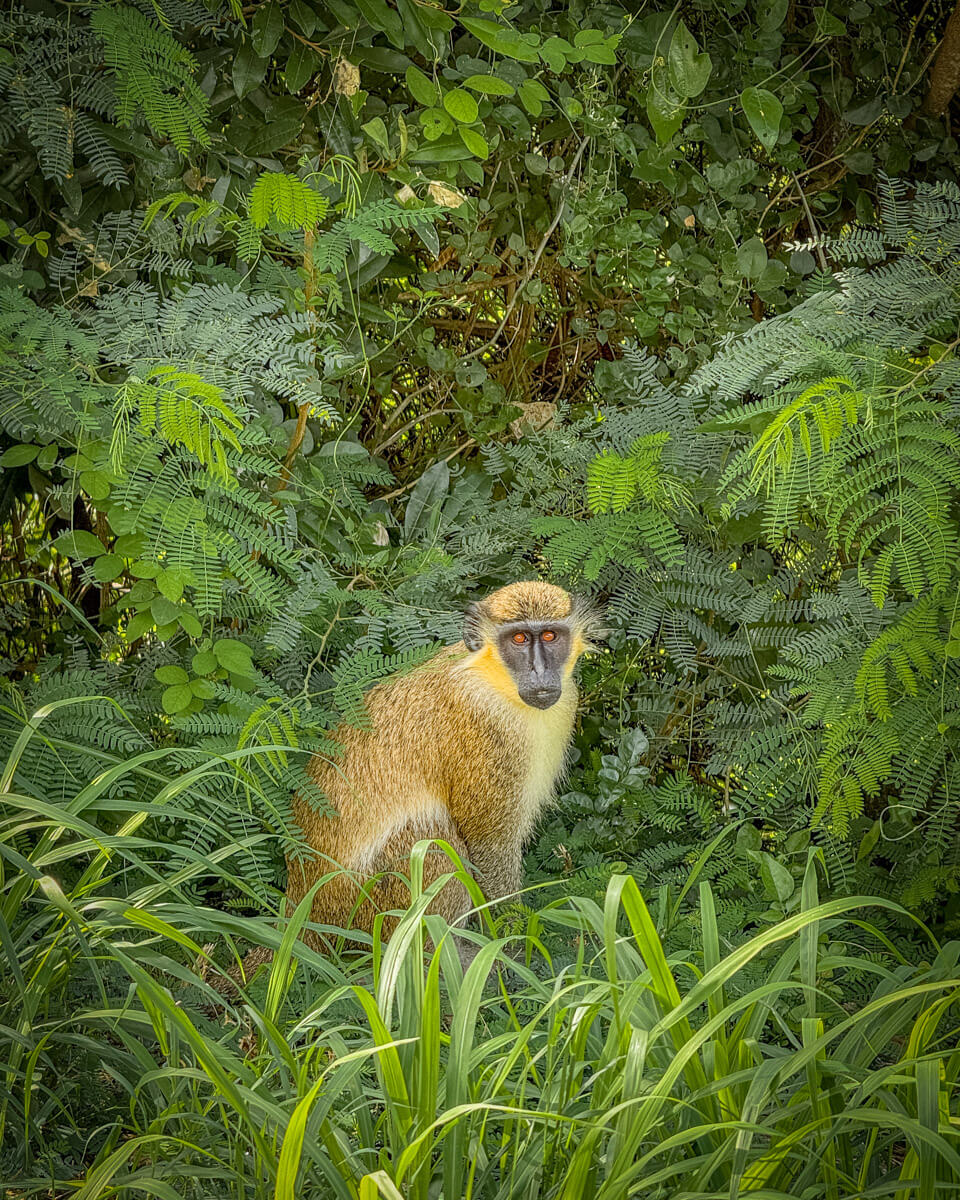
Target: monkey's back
437,758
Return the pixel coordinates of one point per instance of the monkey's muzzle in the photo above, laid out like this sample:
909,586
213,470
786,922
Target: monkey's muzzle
541,697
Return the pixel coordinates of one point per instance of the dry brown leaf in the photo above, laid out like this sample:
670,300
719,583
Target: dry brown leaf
346,78
444,195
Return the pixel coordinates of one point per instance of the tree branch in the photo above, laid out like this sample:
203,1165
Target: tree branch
945,72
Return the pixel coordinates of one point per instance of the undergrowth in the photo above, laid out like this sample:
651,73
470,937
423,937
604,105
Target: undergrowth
574,1057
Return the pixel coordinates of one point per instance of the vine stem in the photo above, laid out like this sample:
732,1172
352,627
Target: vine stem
814,232
303,410
326,635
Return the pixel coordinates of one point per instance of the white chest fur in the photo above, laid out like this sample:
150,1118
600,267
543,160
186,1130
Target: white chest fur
547,738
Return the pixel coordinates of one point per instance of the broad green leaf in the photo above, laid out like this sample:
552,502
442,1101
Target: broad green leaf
461,106
376,131
189,623
868,841
176,698
532,96
435,18
423,507
752,258
828,24
501,39
865,113
380,58
19,456
303,63
435,123
665,109
763,110
489,85
381,16
689,67
304,15
860,162
430,238
422,89
267,29
79,543
204,662
273,135
47,456
475,142
170,584
138,625
96,484
107,567
163,610
130,545
599,50
234,655
171,674
248,70
776,878
555,51
772,13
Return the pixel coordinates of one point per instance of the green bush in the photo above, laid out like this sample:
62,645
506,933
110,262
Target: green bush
316,322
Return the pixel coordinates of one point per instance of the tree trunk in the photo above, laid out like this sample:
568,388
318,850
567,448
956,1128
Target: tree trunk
945,72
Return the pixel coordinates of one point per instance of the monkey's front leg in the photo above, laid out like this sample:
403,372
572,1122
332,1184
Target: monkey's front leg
499,866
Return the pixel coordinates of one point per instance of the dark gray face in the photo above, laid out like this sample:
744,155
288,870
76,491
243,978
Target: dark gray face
535,653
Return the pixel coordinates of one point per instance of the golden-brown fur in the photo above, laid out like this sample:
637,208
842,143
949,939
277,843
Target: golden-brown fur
450,751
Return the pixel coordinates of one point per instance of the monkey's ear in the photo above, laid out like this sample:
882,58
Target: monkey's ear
589,619
474,626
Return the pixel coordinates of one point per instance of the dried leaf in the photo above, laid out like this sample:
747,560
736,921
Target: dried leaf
346,78
442,194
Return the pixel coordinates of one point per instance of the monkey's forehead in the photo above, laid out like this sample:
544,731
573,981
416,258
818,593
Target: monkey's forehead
533,601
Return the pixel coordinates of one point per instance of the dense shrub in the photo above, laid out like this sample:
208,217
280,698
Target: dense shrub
316,321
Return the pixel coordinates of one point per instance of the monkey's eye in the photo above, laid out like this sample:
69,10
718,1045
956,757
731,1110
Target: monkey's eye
520,639
548,635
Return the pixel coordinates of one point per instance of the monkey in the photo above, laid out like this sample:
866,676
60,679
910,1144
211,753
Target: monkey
467,748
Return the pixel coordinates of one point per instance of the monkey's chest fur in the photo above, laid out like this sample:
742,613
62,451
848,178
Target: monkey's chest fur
443,749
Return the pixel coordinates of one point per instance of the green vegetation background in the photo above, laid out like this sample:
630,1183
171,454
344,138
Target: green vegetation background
319,320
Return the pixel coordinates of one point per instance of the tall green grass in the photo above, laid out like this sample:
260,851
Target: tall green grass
395,1074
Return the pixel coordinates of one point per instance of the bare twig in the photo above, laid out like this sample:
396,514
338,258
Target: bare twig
906,50
435,412
303,410
814,232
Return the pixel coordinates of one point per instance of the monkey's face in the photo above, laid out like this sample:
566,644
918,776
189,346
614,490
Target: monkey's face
536,653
